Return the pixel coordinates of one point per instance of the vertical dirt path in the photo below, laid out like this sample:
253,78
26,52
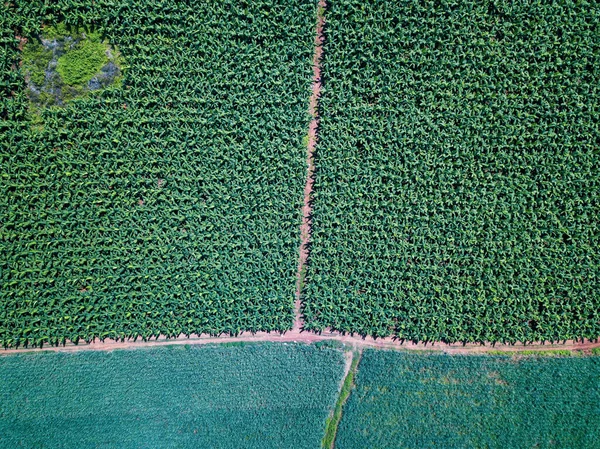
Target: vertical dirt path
313,109
348,356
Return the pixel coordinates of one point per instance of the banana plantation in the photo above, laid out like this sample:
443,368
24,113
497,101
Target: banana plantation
169,204
456,184
457,190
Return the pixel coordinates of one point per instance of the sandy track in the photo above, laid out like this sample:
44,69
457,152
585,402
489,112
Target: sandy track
295,336
348,356
305,227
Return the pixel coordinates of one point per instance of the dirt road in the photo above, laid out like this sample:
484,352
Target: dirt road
309,337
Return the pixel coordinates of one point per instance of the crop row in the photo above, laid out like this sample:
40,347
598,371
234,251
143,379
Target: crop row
417,400
457,188
257,396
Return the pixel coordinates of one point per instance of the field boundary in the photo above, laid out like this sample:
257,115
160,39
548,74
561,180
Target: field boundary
298,336
311,143
346,388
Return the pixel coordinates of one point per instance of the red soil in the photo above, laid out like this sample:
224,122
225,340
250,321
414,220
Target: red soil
305,228
22,42
309,337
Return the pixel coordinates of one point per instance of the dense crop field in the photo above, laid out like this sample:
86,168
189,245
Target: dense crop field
255,396
172,203
432,400
457,190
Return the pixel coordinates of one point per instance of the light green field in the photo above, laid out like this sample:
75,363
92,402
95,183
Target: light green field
404,400
253,396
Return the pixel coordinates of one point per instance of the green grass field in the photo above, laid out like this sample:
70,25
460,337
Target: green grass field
253,396
408,400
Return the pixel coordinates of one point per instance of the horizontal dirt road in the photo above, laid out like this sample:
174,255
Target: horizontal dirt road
297,336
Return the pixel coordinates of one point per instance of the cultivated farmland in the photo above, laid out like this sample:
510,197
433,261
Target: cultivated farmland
434,400
254,396
157,166
168,204
457,189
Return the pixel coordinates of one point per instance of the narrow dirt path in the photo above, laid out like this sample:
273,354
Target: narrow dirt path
313,110
296,336
347,364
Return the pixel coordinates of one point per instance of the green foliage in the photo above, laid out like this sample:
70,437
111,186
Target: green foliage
80,64
171,205
35,61
330,344
537,353
414,400
63,63
333,421
256,396
59,31
457,182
